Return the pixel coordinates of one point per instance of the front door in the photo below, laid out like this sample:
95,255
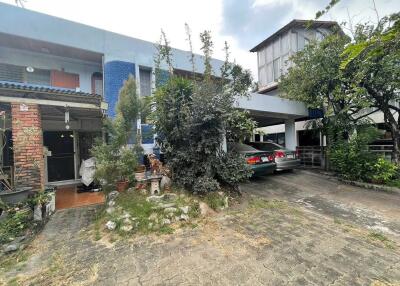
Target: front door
61,156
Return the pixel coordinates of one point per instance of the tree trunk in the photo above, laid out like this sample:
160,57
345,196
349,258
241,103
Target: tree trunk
395,130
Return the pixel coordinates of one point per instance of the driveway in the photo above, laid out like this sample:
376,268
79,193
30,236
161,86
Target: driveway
375,210
284,232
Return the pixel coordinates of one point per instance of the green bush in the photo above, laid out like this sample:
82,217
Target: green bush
383,171
351,159
14,225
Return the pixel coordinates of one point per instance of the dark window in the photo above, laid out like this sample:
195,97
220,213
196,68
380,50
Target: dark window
256,137
145,81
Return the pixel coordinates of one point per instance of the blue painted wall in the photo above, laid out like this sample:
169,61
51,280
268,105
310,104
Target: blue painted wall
115,73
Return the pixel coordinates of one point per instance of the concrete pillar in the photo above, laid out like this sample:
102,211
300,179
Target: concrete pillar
290,134
27,137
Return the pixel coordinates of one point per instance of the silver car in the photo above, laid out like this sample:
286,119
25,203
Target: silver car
285,159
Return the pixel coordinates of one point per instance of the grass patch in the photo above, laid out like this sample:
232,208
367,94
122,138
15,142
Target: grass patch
380,237
215,200
259,203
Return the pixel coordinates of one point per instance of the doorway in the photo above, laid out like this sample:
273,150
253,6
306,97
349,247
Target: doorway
61,155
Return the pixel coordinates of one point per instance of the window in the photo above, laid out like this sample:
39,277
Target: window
294,42
97,83
11,73
270,73
38,76
145,81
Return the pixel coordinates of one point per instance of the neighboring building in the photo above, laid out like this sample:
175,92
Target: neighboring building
272,57
58,79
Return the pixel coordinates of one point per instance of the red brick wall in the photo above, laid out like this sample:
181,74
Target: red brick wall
27,145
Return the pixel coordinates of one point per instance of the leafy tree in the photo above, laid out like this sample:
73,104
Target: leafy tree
192,117
372,62
115,160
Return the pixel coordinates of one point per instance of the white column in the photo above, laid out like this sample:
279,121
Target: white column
290,134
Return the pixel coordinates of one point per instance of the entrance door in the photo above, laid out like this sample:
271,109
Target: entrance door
60,165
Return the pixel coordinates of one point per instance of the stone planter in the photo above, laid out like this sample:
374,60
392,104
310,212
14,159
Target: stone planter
14,197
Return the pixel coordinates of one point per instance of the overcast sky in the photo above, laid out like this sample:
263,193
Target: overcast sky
243,23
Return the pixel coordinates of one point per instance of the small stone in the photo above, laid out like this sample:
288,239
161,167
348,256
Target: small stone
127,221
110,225
170,215
112,195
110,210
166,221
11,248
126,228
37,213
153,216
19,239
126,215
111,203
170,210
185,209
184,217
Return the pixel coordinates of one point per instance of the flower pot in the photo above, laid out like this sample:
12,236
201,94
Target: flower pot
122,186
15,197
140,169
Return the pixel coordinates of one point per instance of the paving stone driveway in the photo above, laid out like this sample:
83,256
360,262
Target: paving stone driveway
281,241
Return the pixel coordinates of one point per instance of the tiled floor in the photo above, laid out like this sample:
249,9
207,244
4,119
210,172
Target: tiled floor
68,197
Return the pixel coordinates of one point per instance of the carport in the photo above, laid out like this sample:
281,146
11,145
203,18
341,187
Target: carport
271,110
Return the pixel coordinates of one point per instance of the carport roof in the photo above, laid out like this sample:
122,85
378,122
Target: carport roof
270,110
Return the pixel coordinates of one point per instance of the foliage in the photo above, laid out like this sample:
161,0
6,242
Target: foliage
383,171
39,198
352,160
14,225
215,200
372,64
115,160
192,116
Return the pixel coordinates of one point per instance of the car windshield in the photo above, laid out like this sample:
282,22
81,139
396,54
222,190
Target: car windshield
242,148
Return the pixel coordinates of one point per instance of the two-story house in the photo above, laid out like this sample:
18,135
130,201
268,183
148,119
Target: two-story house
58,79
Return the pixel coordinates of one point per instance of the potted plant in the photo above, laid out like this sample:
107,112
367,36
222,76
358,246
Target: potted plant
127,165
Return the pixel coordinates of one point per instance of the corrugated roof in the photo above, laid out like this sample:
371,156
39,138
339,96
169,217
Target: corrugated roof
43,89
292,24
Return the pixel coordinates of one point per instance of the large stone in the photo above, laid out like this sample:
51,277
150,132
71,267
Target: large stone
155,199
110,225
168,205
185,209
205,210
11,247
37,213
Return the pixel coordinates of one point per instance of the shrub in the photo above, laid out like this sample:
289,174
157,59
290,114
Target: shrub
352,160
383,171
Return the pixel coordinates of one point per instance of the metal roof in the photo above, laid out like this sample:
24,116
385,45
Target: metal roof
295,24
44,89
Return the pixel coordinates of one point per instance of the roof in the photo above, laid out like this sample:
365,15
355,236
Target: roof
295,24
43,89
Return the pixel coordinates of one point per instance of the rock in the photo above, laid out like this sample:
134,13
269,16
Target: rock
127,221
110,210
166,221
37,213
125,215
184,217
169,205
110,225
153,216
205,209
11,247
170,210
19,239
170,197
170,215
185,209
126,228
155,199
111,203
165,183
113,195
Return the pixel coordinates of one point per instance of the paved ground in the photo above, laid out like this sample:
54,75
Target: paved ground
291,229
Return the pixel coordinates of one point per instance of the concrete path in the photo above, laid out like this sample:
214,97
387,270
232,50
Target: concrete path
291,229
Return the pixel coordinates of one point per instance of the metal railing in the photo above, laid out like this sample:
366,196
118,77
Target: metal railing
382,150
312,156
